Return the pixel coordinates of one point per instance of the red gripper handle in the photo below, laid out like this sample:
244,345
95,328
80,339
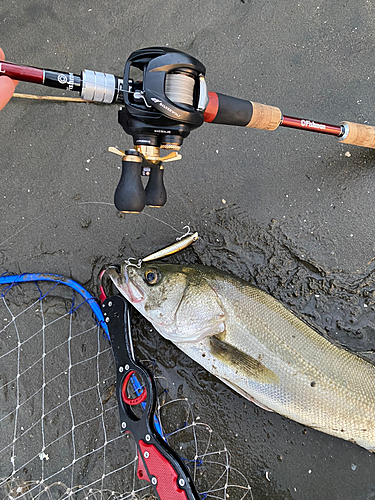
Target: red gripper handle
159,468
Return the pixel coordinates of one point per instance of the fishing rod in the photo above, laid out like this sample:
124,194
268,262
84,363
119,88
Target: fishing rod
163,96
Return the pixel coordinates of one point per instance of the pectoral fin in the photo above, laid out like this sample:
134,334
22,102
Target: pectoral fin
241,362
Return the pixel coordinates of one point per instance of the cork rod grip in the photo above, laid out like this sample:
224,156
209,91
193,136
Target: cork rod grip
265,117
358,135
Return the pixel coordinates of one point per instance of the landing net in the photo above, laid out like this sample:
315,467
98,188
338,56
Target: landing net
59,426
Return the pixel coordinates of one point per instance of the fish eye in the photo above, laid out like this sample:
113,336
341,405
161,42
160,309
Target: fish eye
152,276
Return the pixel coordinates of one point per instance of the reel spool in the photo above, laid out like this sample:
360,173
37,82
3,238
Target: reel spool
159,111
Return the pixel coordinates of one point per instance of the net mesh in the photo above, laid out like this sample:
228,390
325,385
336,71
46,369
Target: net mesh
60,435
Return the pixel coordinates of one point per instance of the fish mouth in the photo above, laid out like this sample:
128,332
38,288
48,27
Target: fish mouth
132,292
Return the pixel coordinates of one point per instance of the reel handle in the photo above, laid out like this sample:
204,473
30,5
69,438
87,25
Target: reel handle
156,195
130,196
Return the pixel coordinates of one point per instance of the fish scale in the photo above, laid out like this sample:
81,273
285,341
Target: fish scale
259,348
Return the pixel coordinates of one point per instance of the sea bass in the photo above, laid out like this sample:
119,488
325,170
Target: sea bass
254,344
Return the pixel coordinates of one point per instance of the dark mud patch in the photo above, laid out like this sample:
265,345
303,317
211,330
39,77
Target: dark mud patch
339,304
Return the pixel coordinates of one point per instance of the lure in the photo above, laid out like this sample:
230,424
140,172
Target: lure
171,249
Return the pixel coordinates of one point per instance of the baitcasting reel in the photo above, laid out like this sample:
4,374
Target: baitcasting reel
159,111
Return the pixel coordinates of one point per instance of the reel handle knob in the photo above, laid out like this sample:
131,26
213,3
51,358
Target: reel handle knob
156,195
130,196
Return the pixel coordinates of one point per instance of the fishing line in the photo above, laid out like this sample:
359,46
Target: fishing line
179,88
169,225
187,227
